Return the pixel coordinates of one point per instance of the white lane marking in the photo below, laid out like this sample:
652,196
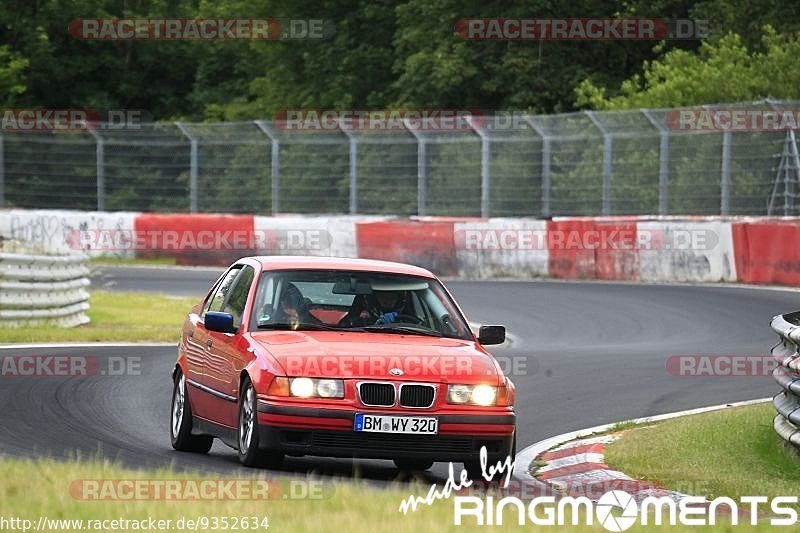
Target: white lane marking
46,345
602,439
778,288
160,267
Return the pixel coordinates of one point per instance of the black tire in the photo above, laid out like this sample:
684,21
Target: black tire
181,421
413,464
248,438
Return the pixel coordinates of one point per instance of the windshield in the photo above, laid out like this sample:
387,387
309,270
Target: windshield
365,302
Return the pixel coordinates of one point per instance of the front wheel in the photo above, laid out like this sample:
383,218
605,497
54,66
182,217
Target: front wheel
181,421
475,472
249,452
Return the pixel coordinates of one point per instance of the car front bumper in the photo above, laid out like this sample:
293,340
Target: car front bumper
326,432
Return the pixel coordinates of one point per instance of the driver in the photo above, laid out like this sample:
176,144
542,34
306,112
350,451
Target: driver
390,306
294,307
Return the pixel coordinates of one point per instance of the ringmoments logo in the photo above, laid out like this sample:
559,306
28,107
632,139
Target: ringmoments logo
617,510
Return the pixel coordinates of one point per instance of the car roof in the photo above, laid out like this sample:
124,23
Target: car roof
285,262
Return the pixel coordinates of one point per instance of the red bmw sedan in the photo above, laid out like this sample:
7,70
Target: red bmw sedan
339,358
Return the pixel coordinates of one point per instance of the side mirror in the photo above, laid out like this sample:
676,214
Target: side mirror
222,322
492,335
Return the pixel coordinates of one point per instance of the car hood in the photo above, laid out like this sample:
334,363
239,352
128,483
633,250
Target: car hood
378,356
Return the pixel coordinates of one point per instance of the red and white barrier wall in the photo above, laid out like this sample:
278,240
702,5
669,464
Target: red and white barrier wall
688,249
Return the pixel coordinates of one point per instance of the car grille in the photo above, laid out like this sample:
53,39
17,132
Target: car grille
417,395
377,394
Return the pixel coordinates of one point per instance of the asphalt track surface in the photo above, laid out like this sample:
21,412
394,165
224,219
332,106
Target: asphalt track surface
583,354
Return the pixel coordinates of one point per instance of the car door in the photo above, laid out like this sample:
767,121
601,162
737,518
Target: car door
226,355
199,340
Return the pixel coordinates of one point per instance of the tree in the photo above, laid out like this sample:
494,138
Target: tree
723,70
12,75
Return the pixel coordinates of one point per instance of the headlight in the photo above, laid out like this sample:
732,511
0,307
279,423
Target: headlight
316,388
458,393
484,395
302,387
330,388
475,394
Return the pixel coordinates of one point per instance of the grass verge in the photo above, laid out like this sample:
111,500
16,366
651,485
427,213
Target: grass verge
56,491
115,317
732,452
111,260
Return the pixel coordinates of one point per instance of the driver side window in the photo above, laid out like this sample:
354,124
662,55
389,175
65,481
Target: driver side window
238,295
217,299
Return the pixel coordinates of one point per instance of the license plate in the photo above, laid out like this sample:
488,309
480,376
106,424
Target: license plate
418,425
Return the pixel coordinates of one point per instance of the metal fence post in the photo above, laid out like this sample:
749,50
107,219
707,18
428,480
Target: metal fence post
193,166
422,170
275,164
547,155
607,154
422,178
2,171
485,175
663,162
100,168
486,178
353,207
725,185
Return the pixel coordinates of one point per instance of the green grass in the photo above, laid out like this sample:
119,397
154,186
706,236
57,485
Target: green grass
29,490
732,452
115,317
132,261
622,426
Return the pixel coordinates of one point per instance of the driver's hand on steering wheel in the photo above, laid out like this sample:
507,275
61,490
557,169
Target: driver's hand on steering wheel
387,318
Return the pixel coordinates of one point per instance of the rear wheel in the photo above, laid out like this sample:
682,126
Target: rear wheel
181,421
249,452
413,464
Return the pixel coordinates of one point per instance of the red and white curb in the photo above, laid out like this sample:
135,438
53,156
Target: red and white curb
578,468
573,464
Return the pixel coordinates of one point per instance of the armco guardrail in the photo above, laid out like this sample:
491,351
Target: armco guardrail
36,289
787,374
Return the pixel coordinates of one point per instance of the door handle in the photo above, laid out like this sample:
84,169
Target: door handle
209,342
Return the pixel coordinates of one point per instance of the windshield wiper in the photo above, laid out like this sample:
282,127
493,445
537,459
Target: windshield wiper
402,329
304,326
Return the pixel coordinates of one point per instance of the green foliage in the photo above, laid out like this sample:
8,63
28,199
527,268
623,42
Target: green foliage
12,75
723,70
388,54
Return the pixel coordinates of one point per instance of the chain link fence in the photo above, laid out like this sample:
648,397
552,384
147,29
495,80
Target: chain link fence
589,163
